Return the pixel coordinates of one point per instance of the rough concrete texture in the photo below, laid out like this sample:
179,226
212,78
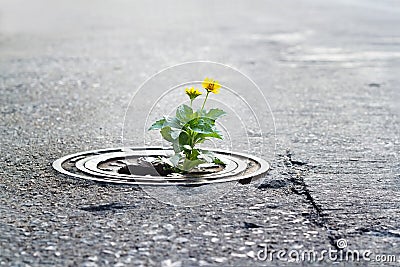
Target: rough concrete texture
331,73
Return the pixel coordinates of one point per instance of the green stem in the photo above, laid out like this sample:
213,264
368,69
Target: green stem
192,142
205,100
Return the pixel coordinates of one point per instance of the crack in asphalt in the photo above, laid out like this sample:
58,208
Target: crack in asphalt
299,187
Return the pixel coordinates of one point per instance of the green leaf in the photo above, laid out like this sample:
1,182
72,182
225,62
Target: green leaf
183,139
173,123
195,153
200,113
215,113
184,113
206,157
218,161
187,147
175,133
200,139
157,125
169,134
176,146
214,134
203,128
190,164
202,125
175,159
207,152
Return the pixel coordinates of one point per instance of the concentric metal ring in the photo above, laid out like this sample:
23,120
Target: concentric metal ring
103,165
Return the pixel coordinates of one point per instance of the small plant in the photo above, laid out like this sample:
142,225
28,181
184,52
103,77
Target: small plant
189,128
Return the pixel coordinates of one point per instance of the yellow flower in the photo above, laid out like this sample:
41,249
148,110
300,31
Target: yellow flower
192,93
211,85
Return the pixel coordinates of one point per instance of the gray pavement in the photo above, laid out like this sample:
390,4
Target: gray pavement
330,70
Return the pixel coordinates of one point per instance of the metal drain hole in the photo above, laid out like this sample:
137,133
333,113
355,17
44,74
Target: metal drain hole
126,166
141,170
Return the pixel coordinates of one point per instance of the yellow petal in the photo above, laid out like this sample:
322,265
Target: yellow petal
215,90
206,82
217,85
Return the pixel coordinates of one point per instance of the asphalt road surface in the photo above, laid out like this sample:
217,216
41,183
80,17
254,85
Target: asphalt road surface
330,70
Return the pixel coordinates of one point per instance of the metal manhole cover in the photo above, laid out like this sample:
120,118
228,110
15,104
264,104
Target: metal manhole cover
103,166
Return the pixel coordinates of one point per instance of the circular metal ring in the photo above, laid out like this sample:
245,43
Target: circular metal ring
85,165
